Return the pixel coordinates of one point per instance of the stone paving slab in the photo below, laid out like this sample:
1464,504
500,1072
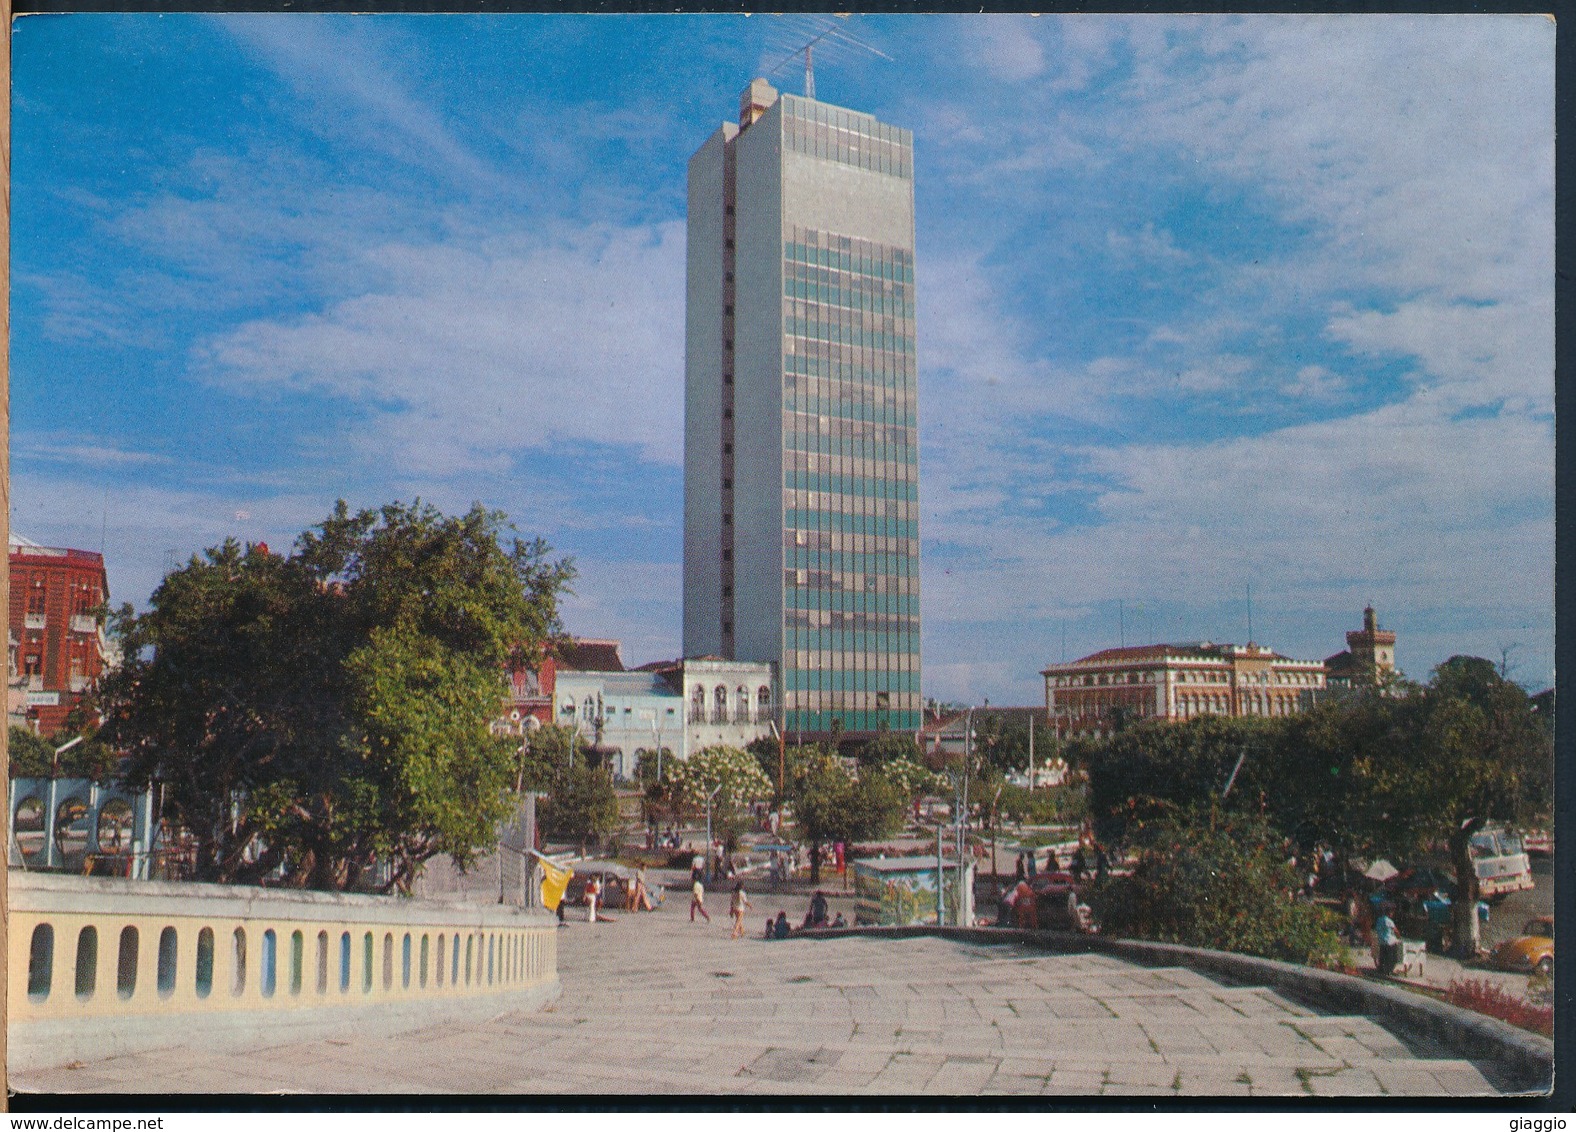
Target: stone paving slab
654,1005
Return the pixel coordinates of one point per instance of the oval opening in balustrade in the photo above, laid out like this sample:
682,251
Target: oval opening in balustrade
87,962
204,962
266,972
238,967
28,829
167,958
126,967
297,960
41,962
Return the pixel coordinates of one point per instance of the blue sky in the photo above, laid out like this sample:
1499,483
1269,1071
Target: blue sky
1204,303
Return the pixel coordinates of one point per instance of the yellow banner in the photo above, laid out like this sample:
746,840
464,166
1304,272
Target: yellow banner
555,880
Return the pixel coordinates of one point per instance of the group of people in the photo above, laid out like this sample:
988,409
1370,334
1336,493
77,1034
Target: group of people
668,840
739,903
815,917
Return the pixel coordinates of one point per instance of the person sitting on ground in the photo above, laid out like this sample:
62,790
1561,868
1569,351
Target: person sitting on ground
839,922
1025,908
781,929
816,918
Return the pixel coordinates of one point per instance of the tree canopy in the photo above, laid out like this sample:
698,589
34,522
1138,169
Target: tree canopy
1211,878
831,805
324,709
581,805
1395,772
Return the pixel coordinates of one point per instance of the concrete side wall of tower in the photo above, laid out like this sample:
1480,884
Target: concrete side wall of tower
758,350
703,315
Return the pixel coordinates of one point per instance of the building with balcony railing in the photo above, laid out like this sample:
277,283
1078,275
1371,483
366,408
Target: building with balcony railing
57,646
1092,696
679,706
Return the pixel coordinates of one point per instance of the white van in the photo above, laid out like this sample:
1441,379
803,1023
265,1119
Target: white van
1500,861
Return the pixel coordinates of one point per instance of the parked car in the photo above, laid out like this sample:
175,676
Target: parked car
1532,950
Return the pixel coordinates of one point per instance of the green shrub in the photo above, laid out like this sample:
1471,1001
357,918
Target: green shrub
1207,878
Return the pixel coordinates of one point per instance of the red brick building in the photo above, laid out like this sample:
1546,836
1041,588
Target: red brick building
57,642
1085,698
531,693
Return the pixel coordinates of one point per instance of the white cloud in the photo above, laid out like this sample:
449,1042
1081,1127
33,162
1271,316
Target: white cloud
1413,155
79,451
468,354
344,71
1004,47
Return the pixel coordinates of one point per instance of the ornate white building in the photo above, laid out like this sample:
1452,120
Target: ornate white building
678,706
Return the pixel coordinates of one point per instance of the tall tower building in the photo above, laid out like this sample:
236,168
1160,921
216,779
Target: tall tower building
801,472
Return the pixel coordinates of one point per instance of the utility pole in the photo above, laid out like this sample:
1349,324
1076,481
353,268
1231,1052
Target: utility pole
941,918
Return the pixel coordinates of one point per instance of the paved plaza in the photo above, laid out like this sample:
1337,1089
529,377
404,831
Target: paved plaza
655,1005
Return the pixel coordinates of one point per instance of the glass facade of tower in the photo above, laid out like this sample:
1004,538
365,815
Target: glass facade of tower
800,361
850,483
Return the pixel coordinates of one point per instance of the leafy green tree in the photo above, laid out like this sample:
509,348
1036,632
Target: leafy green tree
888,747
830,805
1208,877
1394,770
31,754
1483,754
581,805
328,708
1001,741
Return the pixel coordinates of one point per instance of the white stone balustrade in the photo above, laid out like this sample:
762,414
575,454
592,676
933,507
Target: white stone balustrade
100,966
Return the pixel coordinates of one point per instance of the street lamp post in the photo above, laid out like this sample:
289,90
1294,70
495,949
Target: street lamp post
54,773
781,762
709,797
963,810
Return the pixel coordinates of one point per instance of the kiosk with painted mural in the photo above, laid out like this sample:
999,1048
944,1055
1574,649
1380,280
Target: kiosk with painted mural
899,891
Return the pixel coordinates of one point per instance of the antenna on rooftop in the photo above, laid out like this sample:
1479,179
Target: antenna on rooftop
834,37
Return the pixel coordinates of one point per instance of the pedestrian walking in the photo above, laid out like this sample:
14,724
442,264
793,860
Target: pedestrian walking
591,895
738,906
698,901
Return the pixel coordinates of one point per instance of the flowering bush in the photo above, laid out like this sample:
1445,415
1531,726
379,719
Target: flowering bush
737,773
1490,998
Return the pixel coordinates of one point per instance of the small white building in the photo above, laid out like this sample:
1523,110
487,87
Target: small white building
681,706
